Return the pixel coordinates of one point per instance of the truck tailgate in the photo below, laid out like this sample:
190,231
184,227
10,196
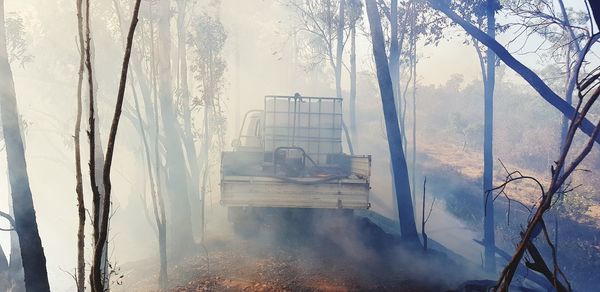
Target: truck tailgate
264,191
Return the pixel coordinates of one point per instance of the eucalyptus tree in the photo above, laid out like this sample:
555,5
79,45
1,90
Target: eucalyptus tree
401,182
181,239
207,39
408,22
354,17
483,14
32,252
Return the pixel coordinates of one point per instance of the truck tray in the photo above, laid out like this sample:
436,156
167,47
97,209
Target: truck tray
265,191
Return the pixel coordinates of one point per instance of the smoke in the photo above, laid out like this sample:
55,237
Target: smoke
262,58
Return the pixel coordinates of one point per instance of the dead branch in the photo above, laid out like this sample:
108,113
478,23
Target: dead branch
558,179
423,218
10,220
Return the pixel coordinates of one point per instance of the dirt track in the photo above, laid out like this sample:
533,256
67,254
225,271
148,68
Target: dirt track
343,255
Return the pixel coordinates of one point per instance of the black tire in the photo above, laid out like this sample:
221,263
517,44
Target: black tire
245,224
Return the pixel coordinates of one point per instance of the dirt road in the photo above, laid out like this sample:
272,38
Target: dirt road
348,254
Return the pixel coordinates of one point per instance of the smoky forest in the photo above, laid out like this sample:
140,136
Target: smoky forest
299,145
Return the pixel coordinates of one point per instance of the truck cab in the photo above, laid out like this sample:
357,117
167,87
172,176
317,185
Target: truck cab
250,137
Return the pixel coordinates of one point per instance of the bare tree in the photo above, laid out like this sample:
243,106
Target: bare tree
32,252
95,275
78,172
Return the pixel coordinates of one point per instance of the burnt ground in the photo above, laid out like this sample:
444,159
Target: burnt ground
343,253
458,186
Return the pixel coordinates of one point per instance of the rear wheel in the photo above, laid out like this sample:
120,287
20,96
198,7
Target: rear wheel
244,220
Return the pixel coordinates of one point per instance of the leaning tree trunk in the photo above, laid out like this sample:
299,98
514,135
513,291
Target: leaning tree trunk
32,252
408,227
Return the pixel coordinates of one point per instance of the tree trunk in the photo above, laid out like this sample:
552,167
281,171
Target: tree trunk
32,252
395,53
595,6
405,208
94,154
571,78
180,217
157,208
4,275
353,130
15,264
188,138
340,49
413,67
488,153
99,248
78,172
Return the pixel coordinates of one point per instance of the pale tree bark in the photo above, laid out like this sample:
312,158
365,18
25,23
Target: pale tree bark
394,52
401,181
181,225
413,68
354,18
32,252
162,228
156,196
4,275
78,173
188,138
339,49
571,78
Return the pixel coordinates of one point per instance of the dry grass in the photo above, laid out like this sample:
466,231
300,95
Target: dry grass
469,164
